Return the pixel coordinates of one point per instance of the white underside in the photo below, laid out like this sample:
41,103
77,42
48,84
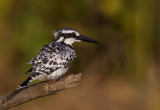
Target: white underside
57,73
52,76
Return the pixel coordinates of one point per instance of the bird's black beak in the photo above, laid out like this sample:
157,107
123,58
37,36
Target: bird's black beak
86,39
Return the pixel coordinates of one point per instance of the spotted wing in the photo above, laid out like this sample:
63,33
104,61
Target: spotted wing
51,57
42,57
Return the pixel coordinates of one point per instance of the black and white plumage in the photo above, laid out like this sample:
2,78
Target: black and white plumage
54,58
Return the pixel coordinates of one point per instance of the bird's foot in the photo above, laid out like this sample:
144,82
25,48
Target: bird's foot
59,78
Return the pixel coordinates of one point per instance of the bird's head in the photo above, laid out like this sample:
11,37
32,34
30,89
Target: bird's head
70,35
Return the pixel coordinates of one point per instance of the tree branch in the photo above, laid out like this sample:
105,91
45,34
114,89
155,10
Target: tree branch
38,90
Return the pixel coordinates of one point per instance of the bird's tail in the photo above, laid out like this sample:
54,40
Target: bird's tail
28,80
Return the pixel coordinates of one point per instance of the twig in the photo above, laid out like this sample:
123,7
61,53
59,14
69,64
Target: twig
35,91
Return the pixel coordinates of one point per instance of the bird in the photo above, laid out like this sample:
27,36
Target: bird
55,57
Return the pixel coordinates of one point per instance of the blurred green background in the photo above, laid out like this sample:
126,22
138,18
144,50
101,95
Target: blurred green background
122,73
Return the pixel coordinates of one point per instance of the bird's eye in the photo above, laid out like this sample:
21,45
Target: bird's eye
73,34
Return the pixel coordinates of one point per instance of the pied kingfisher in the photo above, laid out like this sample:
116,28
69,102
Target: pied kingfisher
54,58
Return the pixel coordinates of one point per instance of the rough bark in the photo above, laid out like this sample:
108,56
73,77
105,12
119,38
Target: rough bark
38,90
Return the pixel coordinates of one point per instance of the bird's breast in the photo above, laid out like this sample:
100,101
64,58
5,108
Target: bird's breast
59,72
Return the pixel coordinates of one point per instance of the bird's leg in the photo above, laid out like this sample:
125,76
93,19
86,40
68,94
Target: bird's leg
59,78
